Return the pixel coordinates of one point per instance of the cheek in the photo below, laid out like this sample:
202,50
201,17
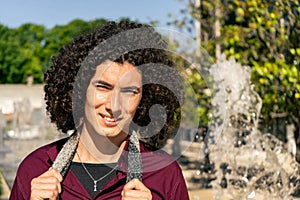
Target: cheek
94,98
133,104
99,98
89,96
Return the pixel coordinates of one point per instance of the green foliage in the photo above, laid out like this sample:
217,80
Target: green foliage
263,34
27,50
198,111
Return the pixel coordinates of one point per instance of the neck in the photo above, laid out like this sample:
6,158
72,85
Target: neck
95,148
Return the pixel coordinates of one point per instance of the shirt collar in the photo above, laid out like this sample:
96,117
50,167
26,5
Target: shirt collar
122,162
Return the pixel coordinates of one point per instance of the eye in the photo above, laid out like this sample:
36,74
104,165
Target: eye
130,90
102,85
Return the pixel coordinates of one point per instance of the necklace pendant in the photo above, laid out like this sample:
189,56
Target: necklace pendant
95,186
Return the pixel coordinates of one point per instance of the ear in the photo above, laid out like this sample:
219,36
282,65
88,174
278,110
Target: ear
80,124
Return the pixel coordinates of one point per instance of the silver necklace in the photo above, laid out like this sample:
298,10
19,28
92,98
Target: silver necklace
99,179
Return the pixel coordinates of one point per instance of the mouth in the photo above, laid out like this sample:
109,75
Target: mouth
110,121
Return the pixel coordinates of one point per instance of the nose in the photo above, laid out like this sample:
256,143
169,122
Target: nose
113,104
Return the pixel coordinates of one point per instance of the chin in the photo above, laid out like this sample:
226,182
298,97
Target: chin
111,133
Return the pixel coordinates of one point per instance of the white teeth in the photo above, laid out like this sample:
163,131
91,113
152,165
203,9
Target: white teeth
109,119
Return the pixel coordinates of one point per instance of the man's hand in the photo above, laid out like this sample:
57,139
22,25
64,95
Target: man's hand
135,189
46,186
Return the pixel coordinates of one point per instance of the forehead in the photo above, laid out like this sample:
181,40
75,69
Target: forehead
113,72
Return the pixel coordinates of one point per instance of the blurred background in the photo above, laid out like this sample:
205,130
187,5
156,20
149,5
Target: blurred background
263,35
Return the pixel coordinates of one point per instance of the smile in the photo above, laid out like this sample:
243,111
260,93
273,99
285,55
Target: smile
110,121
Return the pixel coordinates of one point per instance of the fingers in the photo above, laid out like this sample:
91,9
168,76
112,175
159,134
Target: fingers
49,180
56,174
46,186
134,194
135,184
135,189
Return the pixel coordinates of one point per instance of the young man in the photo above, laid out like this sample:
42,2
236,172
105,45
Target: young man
102,86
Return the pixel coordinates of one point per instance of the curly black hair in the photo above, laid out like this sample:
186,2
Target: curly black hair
67,79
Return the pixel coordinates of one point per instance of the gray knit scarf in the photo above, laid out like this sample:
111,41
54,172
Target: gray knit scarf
66,154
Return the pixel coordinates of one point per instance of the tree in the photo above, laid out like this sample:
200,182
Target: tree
10,58
31,43
265,36
27,50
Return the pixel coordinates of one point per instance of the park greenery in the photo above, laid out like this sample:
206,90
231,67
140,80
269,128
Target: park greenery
262,34
27,50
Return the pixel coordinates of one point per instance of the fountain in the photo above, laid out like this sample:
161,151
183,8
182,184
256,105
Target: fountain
249,164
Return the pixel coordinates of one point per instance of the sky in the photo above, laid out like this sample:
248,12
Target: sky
49,13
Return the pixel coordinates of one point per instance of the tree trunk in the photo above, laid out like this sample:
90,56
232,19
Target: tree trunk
198,25
217,29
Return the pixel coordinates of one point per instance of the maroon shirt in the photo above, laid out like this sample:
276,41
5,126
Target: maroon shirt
161,174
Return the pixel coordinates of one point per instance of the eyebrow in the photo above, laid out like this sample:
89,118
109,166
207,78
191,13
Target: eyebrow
102,83
131,88
111,86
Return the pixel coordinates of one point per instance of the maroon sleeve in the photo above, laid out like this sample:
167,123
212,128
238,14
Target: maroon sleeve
179,191
17,192
27,170
32,166
163,176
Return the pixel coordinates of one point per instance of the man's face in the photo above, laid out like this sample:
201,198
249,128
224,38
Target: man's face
112,98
